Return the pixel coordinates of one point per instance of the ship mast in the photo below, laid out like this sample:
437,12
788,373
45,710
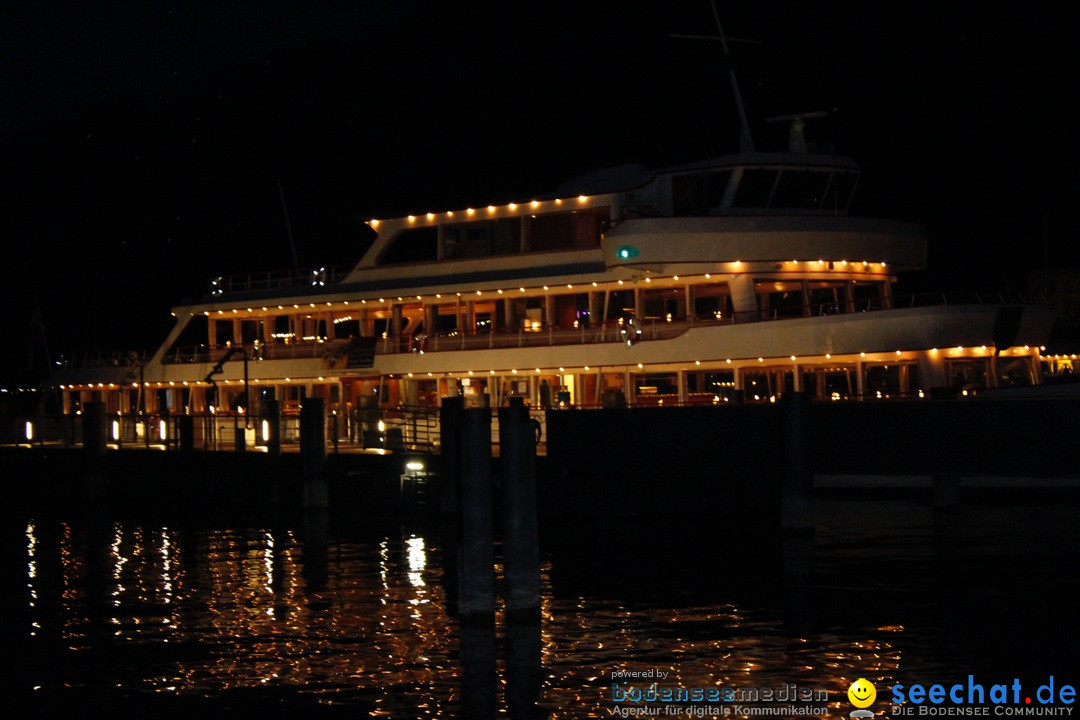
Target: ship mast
746,143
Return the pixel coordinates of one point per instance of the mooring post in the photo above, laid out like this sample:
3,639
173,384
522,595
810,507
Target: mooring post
186,425
796,509
93,429
239,433
521,552
313,452
450,452
476,602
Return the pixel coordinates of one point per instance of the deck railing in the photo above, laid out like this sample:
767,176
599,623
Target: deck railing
651,329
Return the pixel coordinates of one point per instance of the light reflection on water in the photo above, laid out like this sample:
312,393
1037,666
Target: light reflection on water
315,613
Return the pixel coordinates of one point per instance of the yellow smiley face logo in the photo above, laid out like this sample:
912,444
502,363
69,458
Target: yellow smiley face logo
862,693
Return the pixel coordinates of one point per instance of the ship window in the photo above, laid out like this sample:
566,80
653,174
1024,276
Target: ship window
779,299
827,298
712,301
968,374
868,295
1013,372
838,195
481,239
755,188
800,189
664,304
559,231
620,305
223,332
650,387
710,387
346,328
413,245
698,193
883,381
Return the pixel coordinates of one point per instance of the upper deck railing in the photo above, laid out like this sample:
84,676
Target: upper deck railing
278,279
333,350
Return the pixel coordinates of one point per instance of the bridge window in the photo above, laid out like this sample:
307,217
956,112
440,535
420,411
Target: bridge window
698,193
413,245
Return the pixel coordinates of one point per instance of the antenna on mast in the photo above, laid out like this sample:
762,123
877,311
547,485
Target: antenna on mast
288,227
746,143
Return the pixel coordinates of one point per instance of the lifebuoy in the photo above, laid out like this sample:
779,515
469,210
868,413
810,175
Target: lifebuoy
631,332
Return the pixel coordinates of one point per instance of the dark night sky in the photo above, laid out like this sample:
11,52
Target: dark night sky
140,149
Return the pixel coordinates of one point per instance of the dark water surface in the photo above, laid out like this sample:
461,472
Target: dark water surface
147,613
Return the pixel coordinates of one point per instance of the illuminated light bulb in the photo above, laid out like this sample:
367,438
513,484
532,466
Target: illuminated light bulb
862,354
512,206
792,357
491,372
562,369
491,208
708,276
569,286
535,203
412,218
594,283
898,352
697,362
582,198
373,223
640,366
620,282
738,263
545,287
558,201
431,216
761,359
521,289
470,211
828,356
586,367
648,280
728,361
449,213
676,277
478,292
538,370
500,292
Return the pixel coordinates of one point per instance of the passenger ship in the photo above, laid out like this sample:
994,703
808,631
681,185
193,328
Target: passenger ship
729,280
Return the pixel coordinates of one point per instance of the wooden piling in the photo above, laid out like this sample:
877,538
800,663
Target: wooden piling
796,509
313,453
93,429
521,553
450,452
476,602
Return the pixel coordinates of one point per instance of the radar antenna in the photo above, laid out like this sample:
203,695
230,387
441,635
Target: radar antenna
796,133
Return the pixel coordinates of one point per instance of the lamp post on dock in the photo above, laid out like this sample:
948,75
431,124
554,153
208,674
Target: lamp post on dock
240,441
